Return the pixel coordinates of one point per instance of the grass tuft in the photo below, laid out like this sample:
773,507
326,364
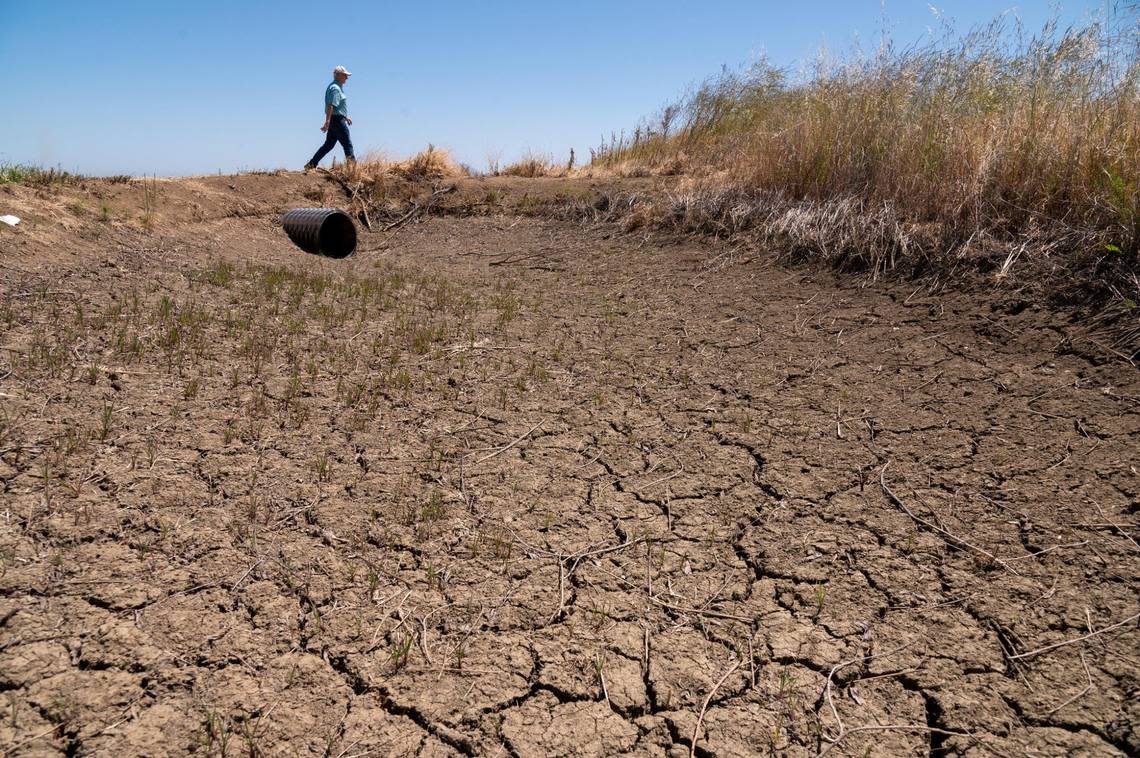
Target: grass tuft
532,166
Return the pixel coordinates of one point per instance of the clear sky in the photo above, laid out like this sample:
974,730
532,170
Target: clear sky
194,87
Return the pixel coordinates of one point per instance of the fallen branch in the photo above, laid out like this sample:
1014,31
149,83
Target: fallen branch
352,202
351,192
417,208
338,179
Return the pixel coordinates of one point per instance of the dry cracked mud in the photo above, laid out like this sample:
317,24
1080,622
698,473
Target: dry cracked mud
512,486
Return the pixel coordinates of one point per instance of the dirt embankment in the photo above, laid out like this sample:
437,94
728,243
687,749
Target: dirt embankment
508,484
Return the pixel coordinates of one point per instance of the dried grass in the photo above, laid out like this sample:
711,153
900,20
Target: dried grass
1018,155
995,136
430,164
533,166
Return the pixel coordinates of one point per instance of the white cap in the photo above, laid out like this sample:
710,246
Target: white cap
342,70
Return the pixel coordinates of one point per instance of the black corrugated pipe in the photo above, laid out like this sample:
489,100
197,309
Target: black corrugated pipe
324,231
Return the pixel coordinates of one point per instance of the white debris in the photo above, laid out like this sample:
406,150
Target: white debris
10,220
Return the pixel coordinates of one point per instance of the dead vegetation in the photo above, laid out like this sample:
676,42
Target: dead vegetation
430,164
1015,152
534,165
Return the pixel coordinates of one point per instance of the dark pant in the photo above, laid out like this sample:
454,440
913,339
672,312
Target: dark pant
338,132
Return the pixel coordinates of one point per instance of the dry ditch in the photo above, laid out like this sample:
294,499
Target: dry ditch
514,485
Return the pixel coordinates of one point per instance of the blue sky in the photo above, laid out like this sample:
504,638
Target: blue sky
195,87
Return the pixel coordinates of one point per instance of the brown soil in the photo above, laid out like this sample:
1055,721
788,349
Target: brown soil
501,484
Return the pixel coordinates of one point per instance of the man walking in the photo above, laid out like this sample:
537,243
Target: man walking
336,120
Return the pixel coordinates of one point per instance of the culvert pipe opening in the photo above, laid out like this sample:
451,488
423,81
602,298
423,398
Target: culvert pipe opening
321,231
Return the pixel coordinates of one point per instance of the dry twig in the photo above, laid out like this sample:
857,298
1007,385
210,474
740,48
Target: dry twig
891,728
705,706
831,675
950,536
417,208
1115,526
504,448
1075,640
1079,695
844,732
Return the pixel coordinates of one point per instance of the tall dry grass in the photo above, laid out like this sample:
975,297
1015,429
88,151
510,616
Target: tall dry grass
985,141
532,165
430,164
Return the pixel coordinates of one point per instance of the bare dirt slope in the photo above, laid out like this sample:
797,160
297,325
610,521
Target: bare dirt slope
502,485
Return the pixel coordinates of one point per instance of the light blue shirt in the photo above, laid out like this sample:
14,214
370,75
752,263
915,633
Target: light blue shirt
334,96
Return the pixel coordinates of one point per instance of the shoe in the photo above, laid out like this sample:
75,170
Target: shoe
308,167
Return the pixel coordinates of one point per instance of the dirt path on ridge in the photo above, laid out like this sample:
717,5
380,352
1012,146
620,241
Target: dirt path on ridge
519,487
